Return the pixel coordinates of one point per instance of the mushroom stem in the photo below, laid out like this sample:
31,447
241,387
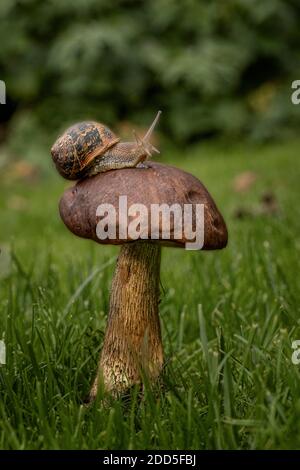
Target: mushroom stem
132,344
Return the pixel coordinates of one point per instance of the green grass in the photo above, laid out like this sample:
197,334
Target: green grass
228,321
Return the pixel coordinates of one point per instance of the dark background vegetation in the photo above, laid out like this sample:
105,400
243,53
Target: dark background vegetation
217,68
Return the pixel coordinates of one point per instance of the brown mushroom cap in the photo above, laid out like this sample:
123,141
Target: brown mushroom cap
156,184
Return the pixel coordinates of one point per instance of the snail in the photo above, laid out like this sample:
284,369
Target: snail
88,148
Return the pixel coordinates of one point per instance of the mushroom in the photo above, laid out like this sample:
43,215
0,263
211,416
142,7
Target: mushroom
132,343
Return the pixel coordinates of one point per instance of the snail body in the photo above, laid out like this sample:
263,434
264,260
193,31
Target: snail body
88,148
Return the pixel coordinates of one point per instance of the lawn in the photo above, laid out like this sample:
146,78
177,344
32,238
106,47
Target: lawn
228,319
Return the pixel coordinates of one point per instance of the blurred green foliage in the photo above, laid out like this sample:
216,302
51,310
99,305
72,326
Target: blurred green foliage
215,68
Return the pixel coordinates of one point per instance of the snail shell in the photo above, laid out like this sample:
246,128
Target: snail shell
79,145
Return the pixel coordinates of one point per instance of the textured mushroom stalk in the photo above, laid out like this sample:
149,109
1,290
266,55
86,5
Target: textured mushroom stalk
132,344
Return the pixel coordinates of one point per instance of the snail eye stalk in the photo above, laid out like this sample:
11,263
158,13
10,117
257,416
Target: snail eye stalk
145,141
148,134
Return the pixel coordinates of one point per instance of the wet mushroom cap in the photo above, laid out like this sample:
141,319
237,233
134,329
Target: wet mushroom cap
157,184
